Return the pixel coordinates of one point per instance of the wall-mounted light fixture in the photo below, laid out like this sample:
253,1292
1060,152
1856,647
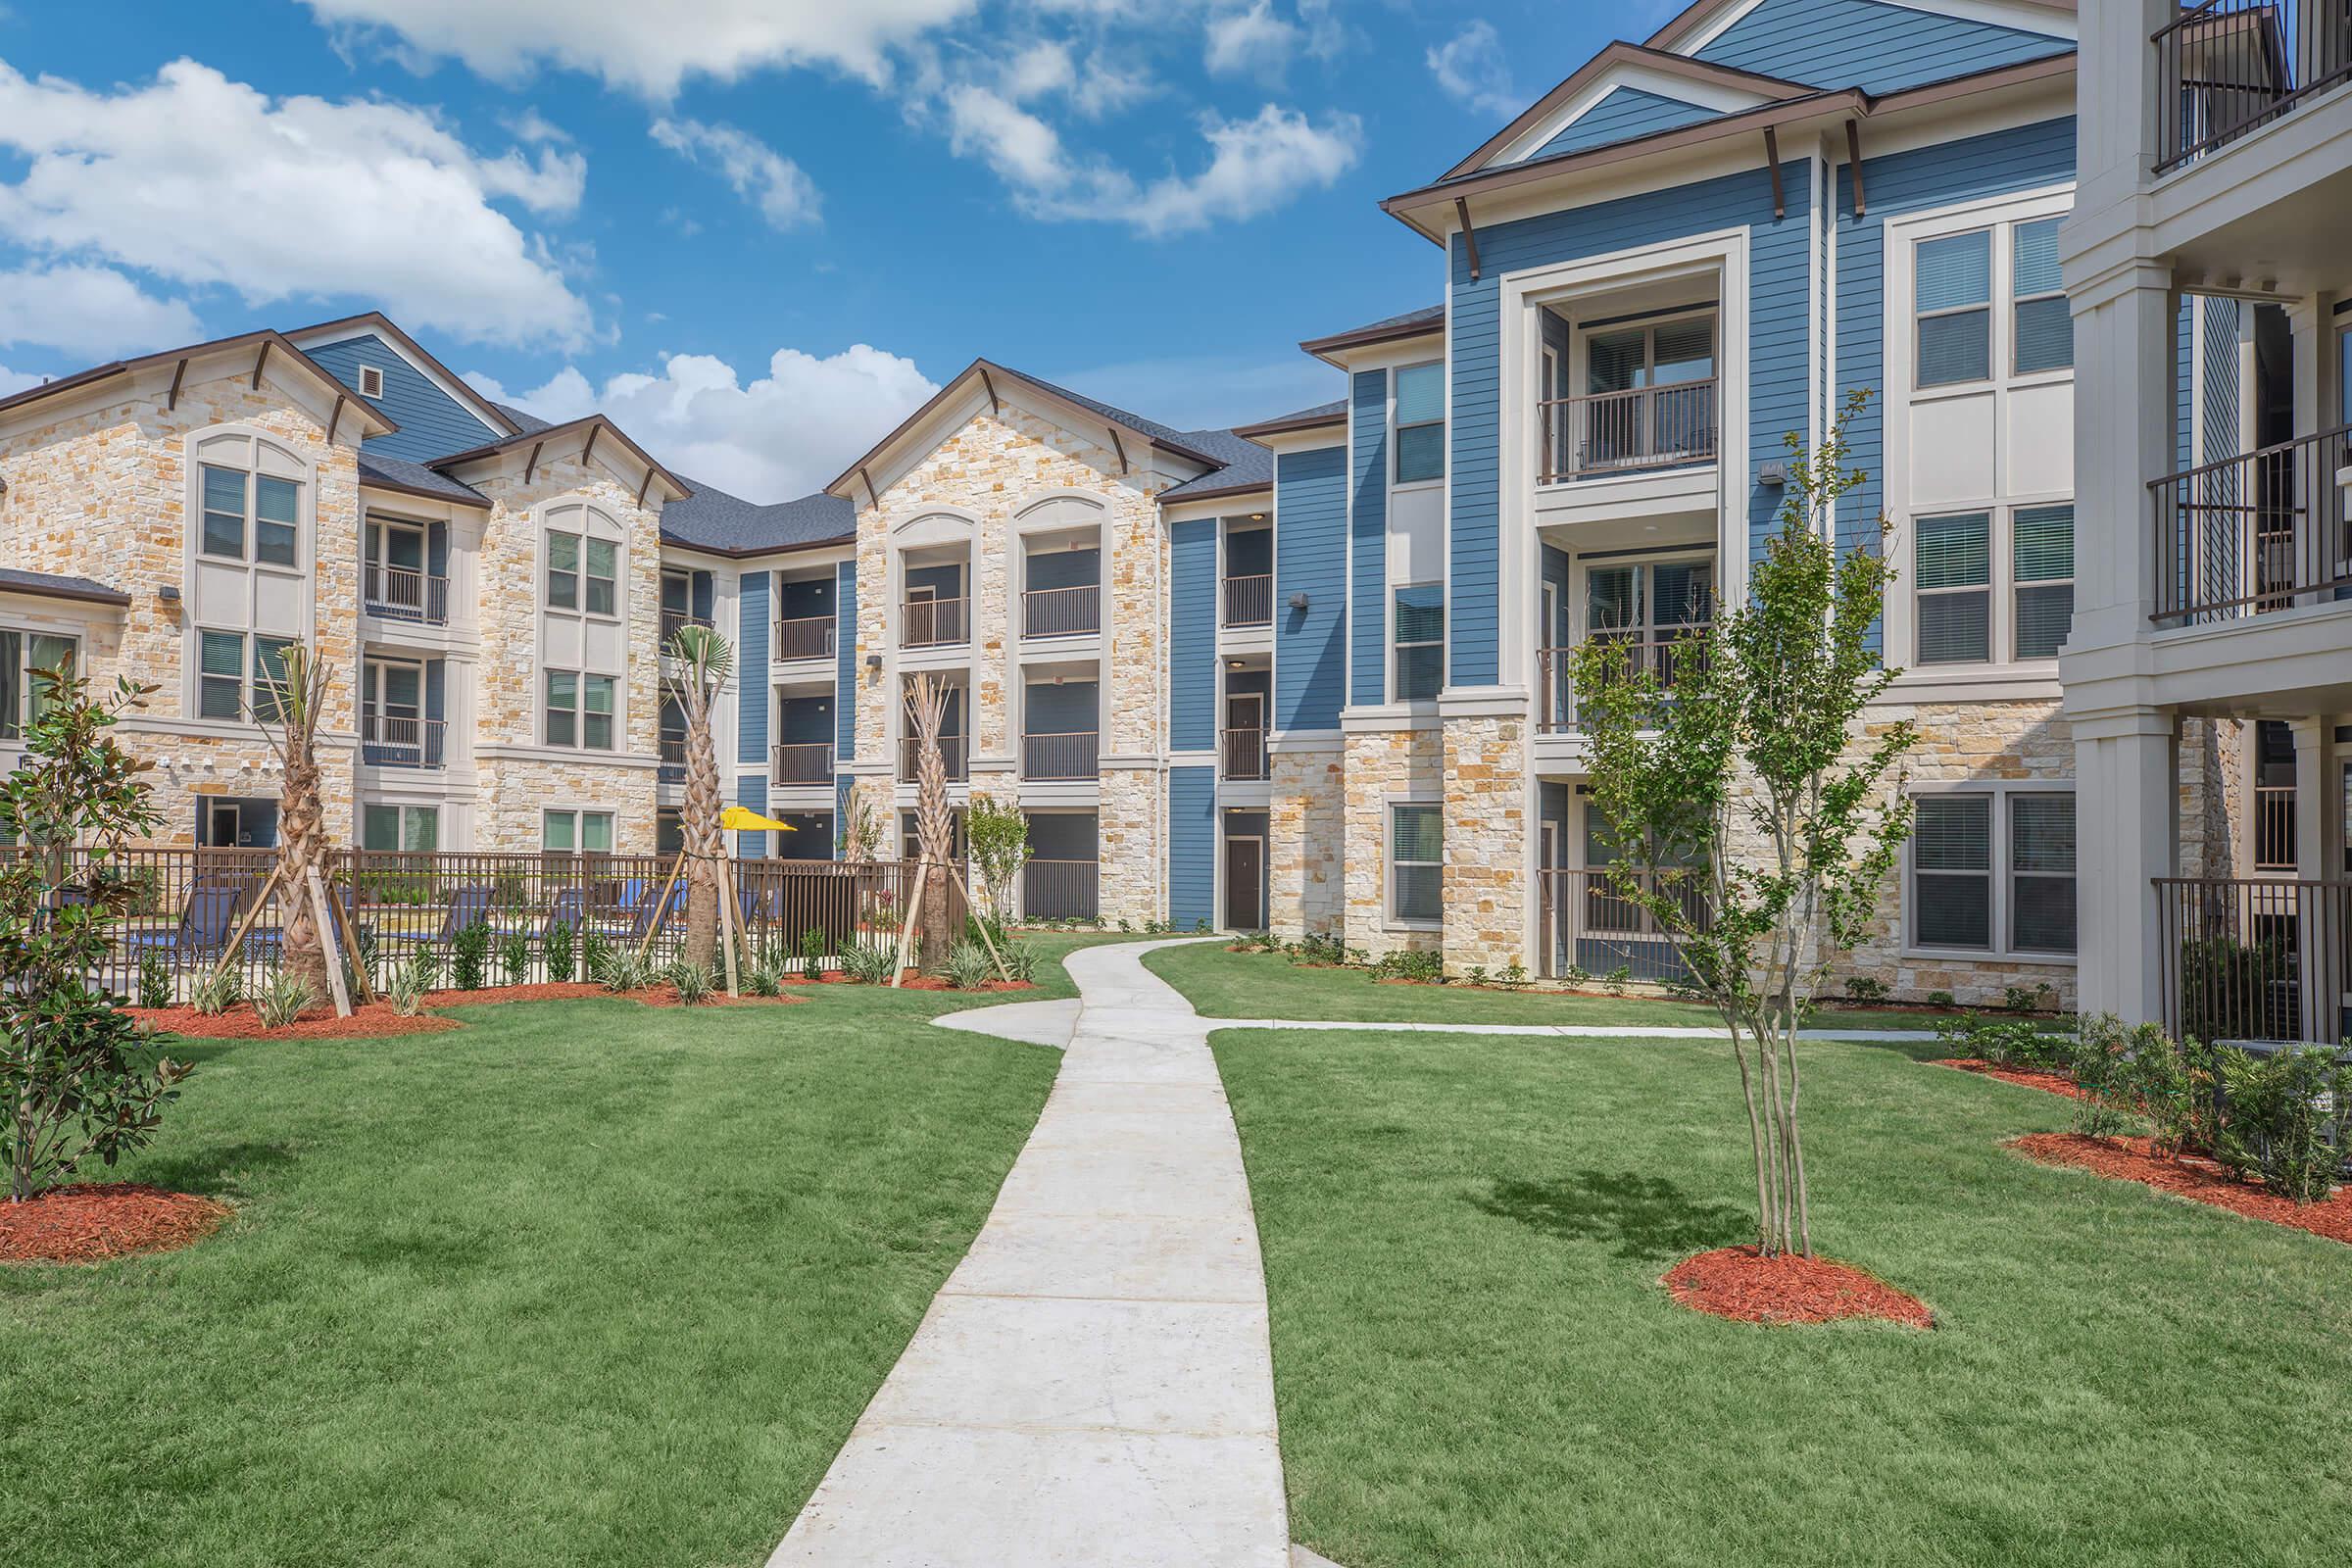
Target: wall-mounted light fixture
168,593
1257,516
1297,600
1772,475
873,661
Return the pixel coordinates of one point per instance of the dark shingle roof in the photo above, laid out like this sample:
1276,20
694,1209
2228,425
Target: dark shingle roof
1428,316
712,519
50,585
376,467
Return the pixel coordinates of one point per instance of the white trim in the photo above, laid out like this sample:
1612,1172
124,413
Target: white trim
2047,22
1390,919
2001,874
477,408
1718,97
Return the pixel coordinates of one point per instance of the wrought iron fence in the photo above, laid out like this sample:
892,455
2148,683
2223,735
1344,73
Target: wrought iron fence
1061,890
804,637
2227,68
933,622
2254,534
1061,612
404,593
2255,958
1250,601
1645,428
808,764
1067,755
674,621
2274,827
1589,928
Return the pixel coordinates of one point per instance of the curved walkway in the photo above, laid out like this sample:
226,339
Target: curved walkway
1093,1386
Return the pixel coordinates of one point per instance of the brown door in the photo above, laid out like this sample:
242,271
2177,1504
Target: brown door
1245,884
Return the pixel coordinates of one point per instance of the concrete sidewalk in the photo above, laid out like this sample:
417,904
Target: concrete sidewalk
1093,1386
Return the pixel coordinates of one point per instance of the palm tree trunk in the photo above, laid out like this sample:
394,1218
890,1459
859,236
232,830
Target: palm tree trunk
301,850
705,839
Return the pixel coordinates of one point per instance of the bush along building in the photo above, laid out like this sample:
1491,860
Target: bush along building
1310,673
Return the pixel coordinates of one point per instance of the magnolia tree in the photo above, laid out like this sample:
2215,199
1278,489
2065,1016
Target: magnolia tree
1746,800
78,1082
999,836
704,662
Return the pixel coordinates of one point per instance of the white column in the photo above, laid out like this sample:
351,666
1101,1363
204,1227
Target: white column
2124,346
2126,834
2320,980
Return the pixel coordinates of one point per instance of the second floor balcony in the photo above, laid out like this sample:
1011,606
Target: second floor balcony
802,765
1061,612
952,758
1607,433
2254,534
1667,656
1243,753
934,622
803,637
404,593
1066,755
2227,68
674,621
1249,600
398,740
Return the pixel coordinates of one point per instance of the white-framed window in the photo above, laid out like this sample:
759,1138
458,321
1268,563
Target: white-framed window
580,709
372,382
1666,350
249,516
583,572
1416,861
1993,584
574,830
1420,422
2041,327
25,657
1649,601
1952,309
1993,872
412,828
237,674
1417,633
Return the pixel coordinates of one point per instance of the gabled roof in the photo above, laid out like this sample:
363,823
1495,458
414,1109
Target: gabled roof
592,425
1315,419
495,415
1247,467
381,472
268,345
50,585
712,521
1389,329
1693,19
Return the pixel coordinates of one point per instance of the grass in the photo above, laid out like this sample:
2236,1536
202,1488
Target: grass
1222,984
1474,1362
585,1282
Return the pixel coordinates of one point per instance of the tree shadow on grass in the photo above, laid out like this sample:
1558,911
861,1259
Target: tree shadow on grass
1647,1217
214,1171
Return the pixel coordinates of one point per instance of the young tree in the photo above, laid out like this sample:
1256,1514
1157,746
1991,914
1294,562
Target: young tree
705,663
1742,792
998,835
293,699
860,828
934,824
74,1077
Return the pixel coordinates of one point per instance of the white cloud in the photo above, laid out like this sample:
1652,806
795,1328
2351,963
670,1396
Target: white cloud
14,381
648,49
1251,42
776,439
200,180
770,181
1470,69
92,312
533,126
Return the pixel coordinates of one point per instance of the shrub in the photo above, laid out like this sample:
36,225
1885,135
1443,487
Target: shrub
1406,965
2004,1043
2277,1122
515,957
596,949
625,970
470,957
813,954
868,962
1514,976
2099,1062
2036,997
214,994
1477,974
559,954
1942,998
1615,981
155,981
762,977
427,961
2178,1088
282,999
405,991
1317,947
1865,987
968,966
1020,960
691,981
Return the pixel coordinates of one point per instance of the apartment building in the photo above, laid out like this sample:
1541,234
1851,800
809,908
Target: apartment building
2207,682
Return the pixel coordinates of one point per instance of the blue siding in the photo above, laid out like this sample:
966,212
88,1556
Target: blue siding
750,792
845,663
1622,114
1192,636
1070,708
751,632
842,785
1192,846
1976,167
432,423
1311,520
1869,44
2184,317
1368,537
1778,281
2218,332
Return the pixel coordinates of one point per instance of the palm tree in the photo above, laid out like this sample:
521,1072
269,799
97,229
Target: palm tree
705,663
294,700
934,824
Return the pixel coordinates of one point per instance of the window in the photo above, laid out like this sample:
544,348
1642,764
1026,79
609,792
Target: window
274,518
223,513
1995,872
1952,298
2043,566
23,658
1419,629
1416,862
669,830
1952,572
580,709
590,832
2044,335
1671,353
1420,422
582,573
372,382
270,676
603,558
1654,608
416,829
562,572
222,675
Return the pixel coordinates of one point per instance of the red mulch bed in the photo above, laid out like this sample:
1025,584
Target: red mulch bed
912,981
1735,1282
2057,1083
241,1022
660,996
2201,1180
90,1223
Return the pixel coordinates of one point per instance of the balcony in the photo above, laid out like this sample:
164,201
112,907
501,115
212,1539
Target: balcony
951,755
672,748
2274,827
934,622
389,740
1668,655
1071,755
1250,601
2227,68
404,593
674,621
2255,534
1622,432
1244,754
804,637
1061,890
804,765
1587,927
2255,958
1060,612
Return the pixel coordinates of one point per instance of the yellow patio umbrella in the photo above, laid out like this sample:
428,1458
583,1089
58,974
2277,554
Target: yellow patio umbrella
743,820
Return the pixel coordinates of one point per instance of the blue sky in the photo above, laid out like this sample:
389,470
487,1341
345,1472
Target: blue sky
758,231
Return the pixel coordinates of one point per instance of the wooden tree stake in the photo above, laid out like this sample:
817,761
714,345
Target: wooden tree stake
326,923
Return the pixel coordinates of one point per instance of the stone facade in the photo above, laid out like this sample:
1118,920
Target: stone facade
1307,834
1487,831
1382,767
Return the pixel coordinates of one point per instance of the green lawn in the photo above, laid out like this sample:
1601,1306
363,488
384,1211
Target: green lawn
1475,1364
584,1283
1220,984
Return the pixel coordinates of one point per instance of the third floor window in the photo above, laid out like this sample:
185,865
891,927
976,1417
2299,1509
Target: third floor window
582,573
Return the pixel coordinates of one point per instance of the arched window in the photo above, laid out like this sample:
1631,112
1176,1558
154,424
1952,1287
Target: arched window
583,630
249,549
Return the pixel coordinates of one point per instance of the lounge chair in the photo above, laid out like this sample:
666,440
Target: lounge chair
469,905
205,922
569,911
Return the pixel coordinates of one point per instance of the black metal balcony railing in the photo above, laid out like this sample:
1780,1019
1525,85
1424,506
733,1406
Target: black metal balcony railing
1061,612
1589,927
2255,958
1071,753
808,763
2253,534
2274,827
1668,655
1061,890
388,740
402,593
2227,68
1609,432
674,621
804,637
1245,753
950,757
1250,601
934,622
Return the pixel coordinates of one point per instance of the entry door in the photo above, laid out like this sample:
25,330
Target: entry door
223,822
1245,884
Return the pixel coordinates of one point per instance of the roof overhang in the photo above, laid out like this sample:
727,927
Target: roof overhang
594,435
1336,348
840,544
78,590
1696,25
267,353
1292,424
378,482
382,325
